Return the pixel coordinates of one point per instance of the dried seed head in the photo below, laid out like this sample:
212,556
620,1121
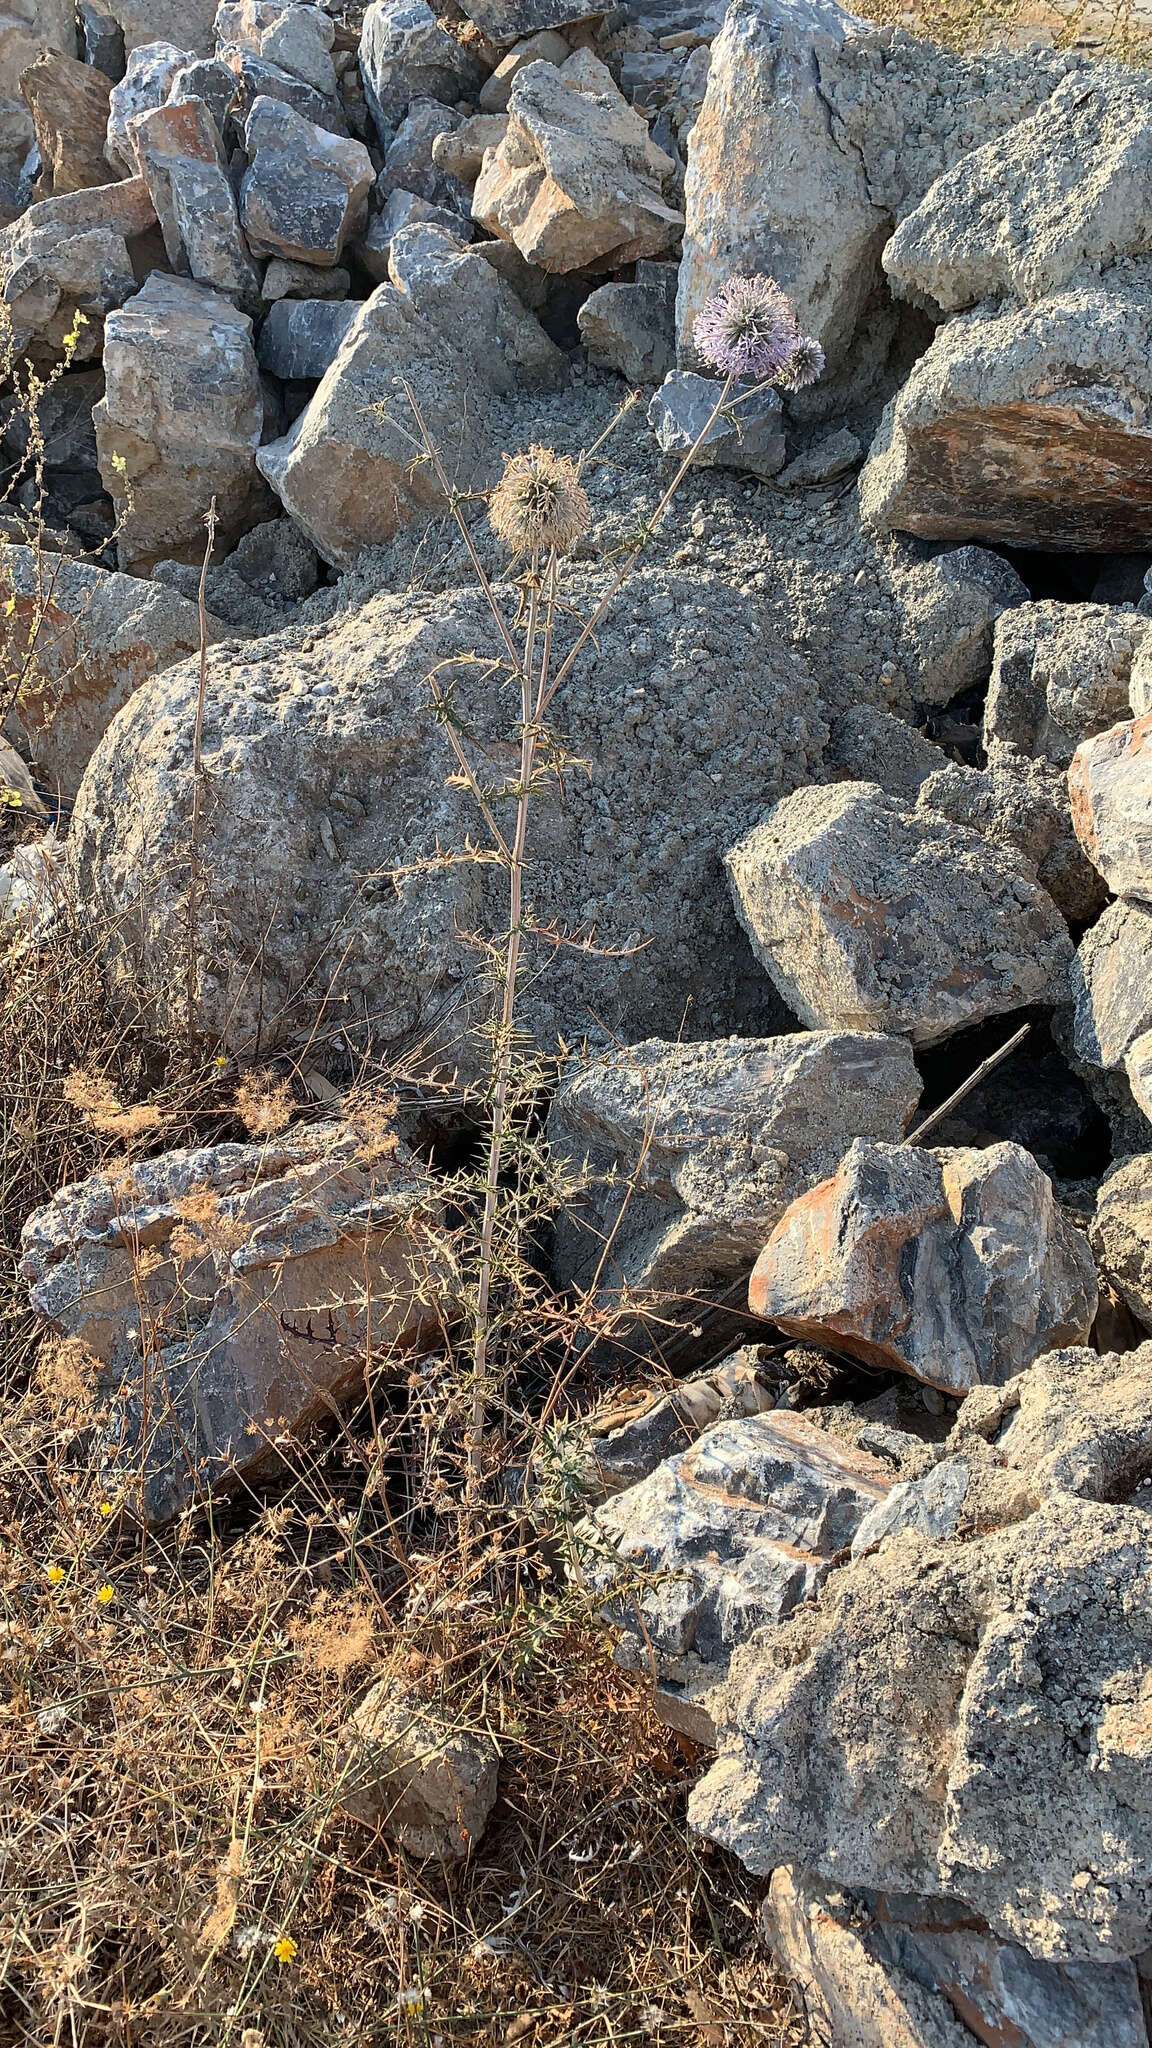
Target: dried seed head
747,329
539,503
804,365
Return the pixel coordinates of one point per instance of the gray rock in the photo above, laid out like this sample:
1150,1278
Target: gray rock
1017,218
693,1152
1060,673
823,463
232,600
189,20
1023,806
1110,786
144,85
726,1536
1121,1233
870,916
930,1505
409,165
181,158
69,254
305,190
1112,985
103,41
460,151
1138,1069
183,413
63,419
872,746
209,80
957,1265
301,337
747,435
631,328
277,560
254,78
964,1718
332,724
622,1452
1024,427
297,39
507,21
405,55
207,1349
430,1782
345,471
400,212
545,47
284,280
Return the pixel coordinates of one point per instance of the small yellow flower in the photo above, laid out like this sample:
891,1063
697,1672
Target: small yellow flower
220,1060
106,1594
105,1507
285,1949
55,1574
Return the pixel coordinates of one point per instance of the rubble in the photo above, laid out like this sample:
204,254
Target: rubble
406,55
204,1348
401,210
28,28
868,915
144,86
1060,674
69,106
957,1265
69,255
305,191
429,1782
410,164
181,158
301,337
545,47
459,151
1110,784
631,328
284,280
254,78
747,435
141,21
1112,985
1121,1235
690,1154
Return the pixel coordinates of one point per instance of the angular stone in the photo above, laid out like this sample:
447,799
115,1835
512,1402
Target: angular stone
103,41
210,80
460,151
181,158
27,29
277,560
1060,674
748,435
1138,1068
255,78
300,41
300,338
507,21
957,1266
429,1782
409,165
1121,1234
694,1152
460,336
1112,985
305,191
577,179
869,916
631,328
68,255
209,1350
1110,785
1027,428
969,1717
402,211
69,106
626,1450
189,21
930,1505
283,280
405,55
872,746
95,637
827,459
738,1530
545,48
183,411
635,844
151,68
1018,218
1023,806
849,1995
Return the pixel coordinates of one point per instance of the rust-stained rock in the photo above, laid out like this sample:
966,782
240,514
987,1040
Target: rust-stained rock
957,1265
69,103
577,179
181,158
871,916
1030,428
1112,985
1110,783
1121,1232
82,641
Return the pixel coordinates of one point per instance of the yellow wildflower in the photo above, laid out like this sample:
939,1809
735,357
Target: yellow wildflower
105,1594
55,1574
285,1949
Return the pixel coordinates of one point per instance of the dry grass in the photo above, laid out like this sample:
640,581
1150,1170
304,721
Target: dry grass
1117,29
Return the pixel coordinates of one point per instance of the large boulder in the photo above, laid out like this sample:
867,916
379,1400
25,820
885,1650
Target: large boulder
79,643
305,191
459,335
325,779
69,103
1121,1232
1028,427
181,159
966,1718
1110,783
957,1265
180,420
69,255
871,916
690,1154
230,1296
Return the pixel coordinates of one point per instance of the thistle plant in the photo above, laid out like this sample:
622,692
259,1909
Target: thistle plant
539,510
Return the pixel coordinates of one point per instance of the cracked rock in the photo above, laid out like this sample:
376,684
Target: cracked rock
305,191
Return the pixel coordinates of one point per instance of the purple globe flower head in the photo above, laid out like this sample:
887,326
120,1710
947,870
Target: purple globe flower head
804,365
747,329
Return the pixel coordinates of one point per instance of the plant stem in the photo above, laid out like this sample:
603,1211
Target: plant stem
197,777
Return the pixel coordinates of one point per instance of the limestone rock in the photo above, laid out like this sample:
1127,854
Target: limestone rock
869,916
826,460
931,1505
179,151
208,79
1060,674
460,336
95,638
103,40
957,1265
297,39
323,739
208,1352
409,164
627,1447
631,328
305,191
748,435
284,280
695,1151
849,1994
577,179
27,29
183,411
402,211
1024,427
1138,1068
406,55
1122,1232
545,47
1110,784
255,78
507,21
429,1782
142,21
69,105
300,337
69,255
1024,806
460,151
966,1719
1018,218
151,68
1112,985
872,746
736,1531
